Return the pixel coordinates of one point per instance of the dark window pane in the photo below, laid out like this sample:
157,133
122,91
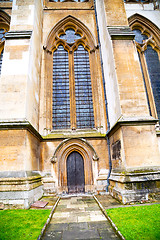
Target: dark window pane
138,36
61,100
83,89
1,58
153,65
70,36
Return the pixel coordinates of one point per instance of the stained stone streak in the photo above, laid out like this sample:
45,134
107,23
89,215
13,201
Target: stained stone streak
79,218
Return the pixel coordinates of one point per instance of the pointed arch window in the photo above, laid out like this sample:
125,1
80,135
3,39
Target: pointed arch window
149,55
3,32
72,88
4,27
61,100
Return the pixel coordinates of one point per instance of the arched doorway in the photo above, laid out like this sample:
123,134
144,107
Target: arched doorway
75,173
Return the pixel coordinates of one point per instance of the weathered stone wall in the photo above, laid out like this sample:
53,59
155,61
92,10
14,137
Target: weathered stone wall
19,105
19,151
132,134
26,105
20,77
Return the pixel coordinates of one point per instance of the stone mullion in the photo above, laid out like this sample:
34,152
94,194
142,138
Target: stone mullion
72,91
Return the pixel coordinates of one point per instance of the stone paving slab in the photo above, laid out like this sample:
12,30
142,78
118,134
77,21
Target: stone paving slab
81,234
108,201
82,221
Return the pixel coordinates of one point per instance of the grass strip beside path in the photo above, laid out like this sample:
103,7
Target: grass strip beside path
22,224
137,222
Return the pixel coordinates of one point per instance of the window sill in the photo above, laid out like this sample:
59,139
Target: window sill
79,133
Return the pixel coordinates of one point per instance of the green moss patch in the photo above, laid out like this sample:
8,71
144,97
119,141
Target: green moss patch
137,222
22,224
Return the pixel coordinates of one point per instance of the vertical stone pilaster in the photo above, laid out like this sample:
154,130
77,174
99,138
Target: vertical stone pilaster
115,13
127,81
20,77
114,109
134,146
19,85
19,104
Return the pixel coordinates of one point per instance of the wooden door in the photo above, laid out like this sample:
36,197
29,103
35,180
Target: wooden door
75,173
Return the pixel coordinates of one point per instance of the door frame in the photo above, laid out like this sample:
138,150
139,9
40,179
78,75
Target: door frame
59,159
81,172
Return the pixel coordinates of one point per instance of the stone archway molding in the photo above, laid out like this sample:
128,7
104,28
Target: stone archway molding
4,17
66,141
77,25
145,25
90,158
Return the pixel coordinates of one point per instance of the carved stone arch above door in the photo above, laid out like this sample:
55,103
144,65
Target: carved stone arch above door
88,154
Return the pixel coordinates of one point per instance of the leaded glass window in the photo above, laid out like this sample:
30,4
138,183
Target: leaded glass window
153,65
83,89
72,88
1,58
3,32
61,100
149,58
70,36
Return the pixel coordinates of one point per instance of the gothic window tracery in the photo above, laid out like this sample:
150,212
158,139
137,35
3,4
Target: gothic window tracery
72,88
148,47
4,27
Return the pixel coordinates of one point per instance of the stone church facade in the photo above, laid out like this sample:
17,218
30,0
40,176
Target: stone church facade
79,99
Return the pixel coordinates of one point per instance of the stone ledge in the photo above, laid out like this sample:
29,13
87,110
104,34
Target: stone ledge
18,187
128,177
19,125
48,180
129,195
17,183
20,180
20,199
19,174
121,33
134,186
18,34
131,121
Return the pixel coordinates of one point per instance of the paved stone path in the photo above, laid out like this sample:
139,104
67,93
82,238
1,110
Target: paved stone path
79,218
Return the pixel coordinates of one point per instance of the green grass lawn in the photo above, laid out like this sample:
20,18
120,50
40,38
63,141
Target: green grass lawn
22,224
140,222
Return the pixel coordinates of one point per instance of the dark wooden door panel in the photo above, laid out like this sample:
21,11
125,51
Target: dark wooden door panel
75,173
